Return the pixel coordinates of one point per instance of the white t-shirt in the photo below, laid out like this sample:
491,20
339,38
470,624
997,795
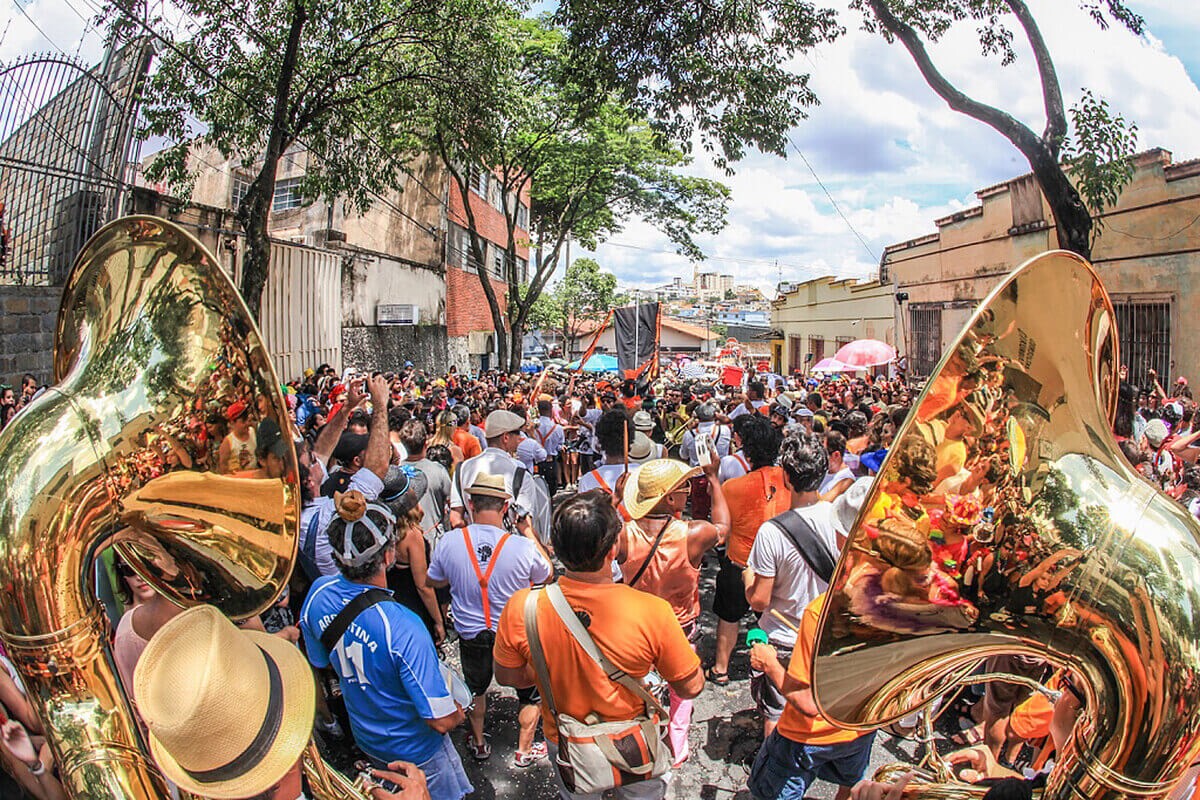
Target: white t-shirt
518,566
741,408
530,453
721,437
831,480
611,474
773,555
733,466
323,507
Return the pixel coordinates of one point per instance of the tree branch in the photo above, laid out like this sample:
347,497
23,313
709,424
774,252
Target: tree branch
1056,118
1008,126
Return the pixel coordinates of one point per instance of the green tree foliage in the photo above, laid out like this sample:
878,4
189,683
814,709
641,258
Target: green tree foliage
721,71
587,164
585,294
341,83
1099,155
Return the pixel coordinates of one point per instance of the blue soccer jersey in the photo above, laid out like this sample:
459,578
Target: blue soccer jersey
388,668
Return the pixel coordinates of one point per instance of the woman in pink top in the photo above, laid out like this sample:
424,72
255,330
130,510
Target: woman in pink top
660,553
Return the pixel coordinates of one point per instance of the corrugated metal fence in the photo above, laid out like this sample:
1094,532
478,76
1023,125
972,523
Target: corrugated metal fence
301,316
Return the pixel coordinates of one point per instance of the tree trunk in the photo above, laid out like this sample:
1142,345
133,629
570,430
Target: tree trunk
1072,220
255,209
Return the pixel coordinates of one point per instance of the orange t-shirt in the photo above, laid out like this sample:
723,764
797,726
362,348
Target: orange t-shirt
637,631
466,442
753,499
794,724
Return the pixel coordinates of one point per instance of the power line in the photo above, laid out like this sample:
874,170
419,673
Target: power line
833,202
37,27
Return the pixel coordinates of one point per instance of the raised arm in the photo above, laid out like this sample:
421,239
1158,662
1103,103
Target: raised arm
327,439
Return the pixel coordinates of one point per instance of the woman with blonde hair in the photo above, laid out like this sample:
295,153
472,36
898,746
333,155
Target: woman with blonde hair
443,434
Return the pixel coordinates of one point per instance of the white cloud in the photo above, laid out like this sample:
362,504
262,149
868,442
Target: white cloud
895,158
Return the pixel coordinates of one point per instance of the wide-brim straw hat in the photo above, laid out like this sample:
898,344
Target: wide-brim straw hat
655,480
229,711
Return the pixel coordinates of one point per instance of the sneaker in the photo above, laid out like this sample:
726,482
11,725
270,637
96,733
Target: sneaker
536,753
479,752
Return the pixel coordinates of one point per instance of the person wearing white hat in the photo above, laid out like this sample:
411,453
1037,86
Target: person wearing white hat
531,499
643,423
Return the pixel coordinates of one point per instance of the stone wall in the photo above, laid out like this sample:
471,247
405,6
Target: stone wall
387,347
27,318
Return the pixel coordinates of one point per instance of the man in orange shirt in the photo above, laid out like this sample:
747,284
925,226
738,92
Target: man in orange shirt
805,745
754,498
462,435
637,631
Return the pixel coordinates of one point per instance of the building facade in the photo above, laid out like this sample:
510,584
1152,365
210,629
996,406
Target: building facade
410,288
812,320
1146,251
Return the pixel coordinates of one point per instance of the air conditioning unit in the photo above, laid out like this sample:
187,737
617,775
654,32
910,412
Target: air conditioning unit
397,314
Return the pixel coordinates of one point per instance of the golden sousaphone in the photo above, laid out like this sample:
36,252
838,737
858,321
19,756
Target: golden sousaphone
1091,568
152,337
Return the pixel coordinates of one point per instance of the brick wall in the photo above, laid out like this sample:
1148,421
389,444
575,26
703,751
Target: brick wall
27,318
466,304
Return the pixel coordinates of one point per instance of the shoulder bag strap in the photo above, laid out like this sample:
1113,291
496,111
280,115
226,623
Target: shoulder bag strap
535,649
558,602
484,577
653,548
518,482
742,460
308,553
600,480
814,552
333,634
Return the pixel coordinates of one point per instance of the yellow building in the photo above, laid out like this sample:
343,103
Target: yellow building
813,319
1147,252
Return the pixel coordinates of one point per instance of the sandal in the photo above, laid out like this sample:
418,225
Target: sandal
479,752
718,678
536,753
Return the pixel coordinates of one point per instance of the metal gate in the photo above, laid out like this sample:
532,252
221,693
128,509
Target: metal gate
926,345
1144,332
65,133
301,316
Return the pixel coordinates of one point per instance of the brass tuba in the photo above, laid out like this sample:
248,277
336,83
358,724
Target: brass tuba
1091,568
151,338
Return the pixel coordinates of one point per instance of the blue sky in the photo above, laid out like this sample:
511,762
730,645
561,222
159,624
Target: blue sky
892,157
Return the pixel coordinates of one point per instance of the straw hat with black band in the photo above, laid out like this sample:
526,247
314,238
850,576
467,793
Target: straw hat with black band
229,711
655,480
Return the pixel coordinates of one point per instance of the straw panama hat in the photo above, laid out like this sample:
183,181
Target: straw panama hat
208,692
655,480
489,485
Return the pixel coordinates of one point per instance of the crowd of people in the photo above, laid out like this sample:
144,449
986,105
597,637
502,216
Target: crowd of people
552,531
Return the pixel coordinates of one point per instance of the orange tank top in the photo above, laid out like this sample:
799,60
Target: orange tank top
670,573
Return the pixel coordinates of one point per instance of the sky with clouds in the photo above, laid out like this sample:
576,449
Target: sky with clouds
892,157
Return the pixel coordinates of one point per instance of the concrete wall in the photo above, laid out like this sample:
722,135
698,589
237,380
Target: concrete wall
27,318
387,347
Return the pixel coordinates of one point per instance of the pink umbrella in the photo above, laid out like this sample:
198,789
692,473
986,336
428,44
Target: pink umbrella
831,365
865,353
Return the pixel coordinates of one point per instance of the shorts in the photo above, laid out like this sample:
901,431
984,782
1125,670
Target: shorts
785,769
1000,697
768,699
478,667
443,771
729,599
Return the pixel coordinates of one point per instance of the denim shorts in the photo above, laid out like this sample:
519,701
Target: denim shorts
784,769
443,771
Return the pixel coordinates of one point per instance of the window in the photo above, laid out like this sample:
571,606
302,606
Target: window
926,338
522,216
498,259
522,271
477,179
1144,330
816,346
287,194
241,185
458,248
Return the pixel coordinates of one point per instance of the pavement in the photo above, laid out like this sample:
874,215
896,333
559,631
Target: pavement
725,736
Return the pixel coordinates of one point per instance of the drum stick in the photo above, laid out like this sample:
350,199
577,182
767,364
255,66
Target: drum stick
775,613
